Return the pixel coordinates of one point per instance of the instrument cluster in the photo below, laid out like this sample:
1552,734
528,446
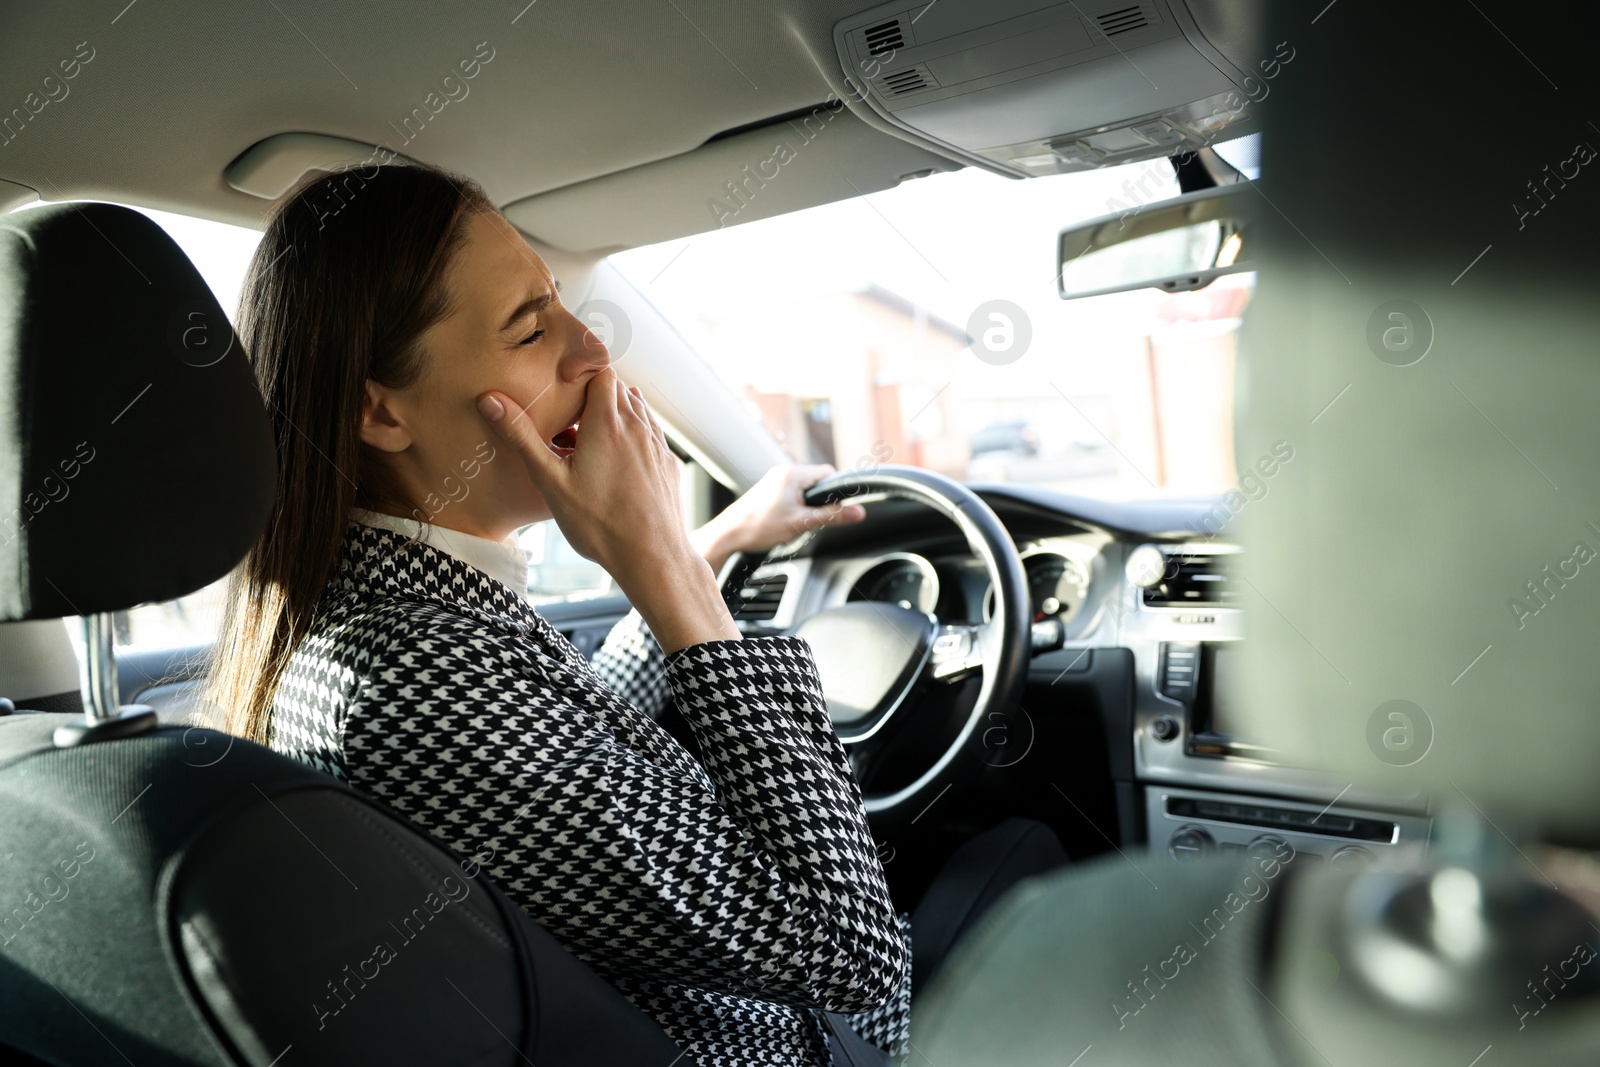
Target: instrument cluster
1058,585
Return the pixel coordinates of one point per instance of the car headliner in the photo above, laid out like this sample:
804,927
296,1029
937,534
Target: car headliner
174,93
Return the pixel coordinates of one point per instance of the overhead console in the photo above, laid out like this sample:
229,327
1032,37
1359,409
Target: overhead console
1034,87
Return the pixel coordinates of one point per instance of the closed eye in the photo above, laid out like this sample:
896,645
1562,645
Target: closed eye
536,305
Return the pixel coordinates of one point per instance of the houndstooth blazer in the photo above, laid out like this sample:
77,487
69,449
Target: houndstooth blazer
729,900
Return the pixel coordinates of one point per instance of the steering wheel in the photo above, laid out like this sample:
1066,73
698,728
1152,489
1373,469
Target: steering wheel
880,664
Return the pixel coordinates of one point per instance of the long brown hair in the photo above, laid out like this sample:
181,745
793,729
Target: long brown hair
350,273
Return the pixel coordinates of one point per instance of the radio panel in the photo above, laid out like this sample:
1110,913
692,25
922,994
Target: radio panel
1190,824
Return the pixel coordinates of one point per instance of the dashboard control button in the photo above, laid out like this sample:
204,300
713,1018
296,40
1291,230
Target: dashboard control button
1270,847
1047,635
1177,669
1165,728
1189,844
1349,857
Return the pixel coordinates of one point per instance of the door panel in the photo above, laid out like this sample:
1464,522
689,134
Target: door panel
169,679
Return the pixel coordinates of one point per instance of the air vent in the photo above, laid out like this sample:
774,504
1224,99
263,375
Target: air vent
1122,20
759,597
885,37
910,80
1193,578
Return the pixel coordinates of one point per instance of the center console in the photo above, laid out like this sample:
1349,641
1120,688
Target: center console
1208,782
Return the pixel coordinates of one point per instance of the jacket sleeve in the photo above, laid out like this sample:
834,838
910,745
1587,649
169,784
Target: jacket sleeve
755,876
889,1024
631,663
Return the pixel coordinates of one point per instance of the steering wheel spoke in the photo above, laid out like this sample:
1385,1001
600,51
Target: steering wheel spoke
958,650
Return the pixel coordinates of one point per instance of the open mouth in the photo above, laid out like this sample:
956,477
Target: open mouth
565,442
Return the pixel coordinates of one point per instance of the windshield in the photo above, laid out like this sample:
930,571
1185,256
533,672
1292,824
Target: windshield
923,326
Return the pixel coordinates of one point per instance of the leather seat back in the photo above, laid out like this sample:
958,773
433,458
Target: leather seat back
203,900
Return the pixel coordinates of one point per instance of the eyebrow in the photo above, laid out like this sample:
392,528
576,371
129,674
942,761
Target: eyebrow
530,306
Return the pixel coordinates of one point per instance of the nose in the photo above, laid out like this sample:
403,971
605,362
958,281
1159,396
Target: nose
587,352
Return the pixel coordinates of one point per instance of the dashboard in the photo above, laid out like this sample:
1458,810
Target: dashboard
1132,584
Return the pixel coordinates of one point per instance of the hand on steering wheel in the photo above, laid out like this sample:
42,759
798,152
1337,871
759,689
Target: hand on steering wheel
772,511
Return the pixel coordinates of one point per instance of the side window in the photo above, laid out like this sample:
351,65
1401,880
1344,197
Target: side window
555,570
188,620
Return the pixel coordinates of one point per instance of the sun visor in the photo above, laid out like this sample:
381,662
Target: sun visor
270,167
817,157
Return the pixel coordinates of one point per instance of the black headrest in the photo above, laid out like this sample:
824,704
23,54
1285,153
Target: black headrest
136,460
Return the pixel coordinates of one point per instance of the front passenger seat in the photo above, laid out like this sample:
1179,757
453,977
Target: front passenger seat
175,895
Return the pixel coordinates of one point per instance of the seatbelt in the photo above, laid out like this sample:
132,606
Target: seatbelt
857,1049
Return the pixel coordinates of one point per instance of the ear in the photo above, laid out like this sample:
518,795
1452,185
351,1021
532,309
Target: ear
381,425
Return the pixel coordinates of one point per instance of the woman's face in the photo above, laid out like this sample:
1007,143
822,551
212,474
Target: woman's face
507,330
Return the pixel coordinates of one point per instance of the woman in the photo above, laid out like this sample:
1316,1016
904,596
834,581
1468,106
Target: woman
404,333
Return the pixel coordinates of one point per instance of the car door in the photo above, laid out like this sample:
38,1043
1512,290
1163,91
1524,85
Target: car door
576,596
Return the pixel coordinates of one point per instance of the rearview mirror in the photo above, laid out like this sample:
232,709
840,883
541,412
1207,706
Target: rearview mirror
1174,245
